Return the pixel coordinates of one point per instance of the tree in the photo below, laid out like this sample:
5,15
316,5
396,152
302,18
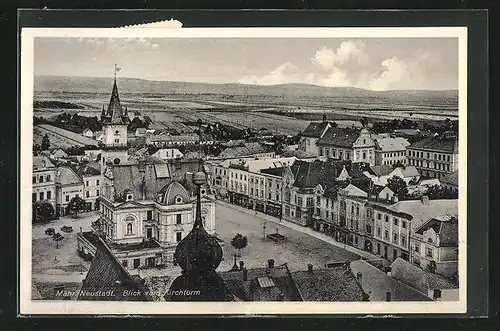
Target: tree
76,205
57,237
398,186
397,164
364,122
239,242
45,143
43,211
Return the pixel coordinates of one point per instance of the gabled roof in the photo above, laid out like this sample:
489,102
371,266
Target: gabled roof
42,162
377,283
332,284
446,228
380,170
67,176
418,278
409,171
278,171
315,129
109,278
392,144
450,179
421,212
438,144
89,169
339,137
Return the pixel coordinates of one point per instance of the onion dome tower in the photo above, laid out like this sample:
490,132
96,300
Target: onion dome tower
198,254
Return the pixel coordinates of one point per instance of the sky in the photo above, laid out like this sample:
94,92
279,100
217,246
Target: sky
374,63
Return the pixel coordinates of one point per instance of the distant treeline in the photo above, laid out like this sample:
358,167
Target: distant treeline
55,104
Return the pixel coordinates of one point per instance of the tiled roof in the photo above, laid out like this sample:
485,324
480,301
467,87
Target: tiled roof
278,171
333,284
314,130
392,144
109,278
130,176
89,169
409,171
67,176
381,170
422,212
41,162
173,138
246,149
257,165
445,226
439,144
377,283
339,137
280,275
450,179
418,278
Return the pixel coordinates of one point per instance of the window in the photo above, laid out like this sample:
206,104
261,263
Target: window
429,252
352,209
129,229
269,196
403,241
251,190
357,210
318,201
448,158
368,229
87,183
117,132
386,235
97,182
347,155
334,153
41,195
137,263
321,152
33,197
47,178
97,192
379,216
300,201
403,223
396,222
287,210
178,236
49,195
149,214
340,154
125,263
309,202
417,247
395,238
40,179
379,232
327,214
178,219
117,141
386,218
378,248
364,155
34,180
87,194
277,197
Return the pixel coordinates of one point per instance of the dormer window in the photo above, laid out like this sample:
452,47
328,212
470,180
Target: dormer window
178,199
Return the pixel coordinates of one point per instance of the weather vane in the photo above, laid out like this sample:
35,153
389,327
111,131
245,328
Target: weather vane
117,69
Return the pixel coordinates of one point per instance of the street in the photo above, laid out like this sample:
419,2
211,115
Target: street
299,250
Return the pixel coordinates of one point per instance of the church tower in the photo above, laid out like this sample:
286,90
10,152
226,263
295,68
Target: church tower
114,122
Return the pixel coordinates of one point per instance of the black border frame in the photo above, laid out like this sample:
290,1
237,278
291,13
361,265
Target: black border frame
477,116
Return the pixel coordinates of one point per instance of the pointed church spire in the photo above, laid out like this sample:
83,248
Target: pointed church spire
115,114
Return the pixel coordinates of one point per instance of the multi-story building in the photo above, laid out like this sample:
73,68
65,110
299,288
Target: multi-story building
68,186
391,151
350,144
450,182
92,180
44,180
436,242
146,208
434,156
166,153
310,136
247,150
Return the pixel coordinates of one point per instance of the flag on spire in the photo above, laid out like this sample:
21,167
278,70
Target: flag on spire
117,69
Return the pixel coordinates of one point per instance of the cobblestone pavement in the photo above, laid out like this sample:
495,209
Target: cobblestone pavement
300,249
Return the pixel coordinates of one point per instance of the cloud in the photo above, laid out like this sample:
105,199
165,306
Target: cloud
327,59
122,43
349,65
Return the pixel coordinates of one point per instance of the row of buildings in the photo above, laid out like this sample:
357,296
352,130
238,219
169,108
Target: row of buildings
345,200
434,156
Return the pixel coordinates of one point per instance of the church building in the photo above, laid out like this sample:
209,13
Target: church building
147,204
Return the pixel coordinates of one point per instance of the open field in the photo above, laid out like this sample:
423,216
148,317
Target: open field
60,138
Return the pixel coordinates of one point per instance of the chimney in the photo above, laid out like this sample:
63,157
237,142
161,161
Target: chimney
309,268
245,274
270,263
388,296
425,200
242,264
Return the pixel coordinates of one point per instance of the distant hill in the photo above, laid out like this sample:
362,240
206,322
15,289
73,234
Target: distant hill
286,91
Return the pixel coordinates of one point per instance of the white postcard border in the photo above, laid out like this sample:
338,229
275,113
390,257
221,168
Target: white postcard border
34,307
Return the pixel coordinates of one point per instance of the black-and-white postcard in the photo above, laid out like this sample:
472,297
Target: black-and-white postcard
243,170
